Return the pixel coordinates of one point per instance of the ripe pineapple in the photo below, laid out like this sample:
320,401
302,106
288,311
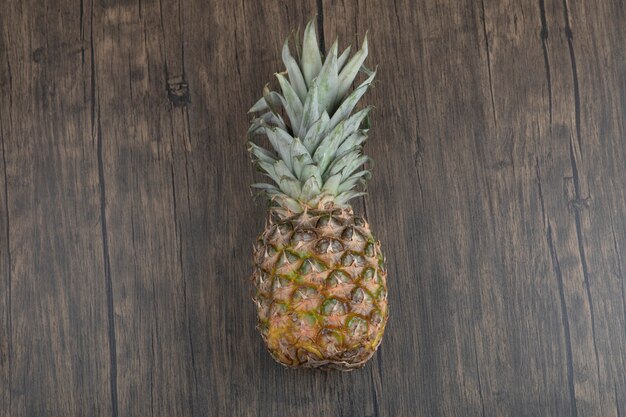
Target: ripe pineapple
319,276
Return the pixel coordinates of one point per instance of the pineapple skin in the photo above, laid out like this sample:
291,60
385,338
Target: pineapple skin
320,287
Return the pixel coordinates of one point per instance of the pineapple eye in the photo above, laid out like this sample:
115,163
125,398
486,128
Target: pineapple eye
361,301
285,228
303,236
328,246
333,307
278,309
291,257
282,260
279,282
306,267
350,233
323,221
370,249
322,246
329,338
359,260
352,259
286,258
263,282
311,265
336,278
306,299
308,319
357,326
304,293
358,295
376,318
382,294
368,274
270,251
335,246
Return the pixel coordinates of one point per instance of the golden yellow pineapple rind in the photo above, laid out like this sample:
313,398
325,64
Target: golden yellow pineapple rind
320,289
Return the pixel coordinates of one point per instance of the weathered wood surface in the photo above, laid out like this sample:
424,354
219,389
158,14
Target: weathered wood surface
126,225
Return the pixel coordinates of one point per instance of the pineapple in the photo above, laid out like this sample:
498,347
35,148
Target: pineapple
319,275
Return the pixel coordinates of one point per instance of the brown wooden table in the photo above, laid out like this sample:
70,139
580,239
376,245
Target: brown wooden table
126,222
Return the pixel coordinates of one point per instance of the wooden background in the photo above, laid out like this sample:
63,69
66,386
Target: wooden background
126,223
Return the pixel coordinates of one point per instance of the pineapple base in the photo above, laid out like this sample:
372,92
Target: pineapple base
320,289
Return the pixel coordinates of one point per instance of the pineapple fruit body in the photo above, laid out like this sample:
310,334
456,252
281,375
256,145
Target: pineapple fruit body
319,276
320,289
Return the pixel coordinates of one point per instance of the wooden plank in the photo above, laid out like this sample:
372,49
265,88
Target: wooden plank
589,124
55,342
137,146
425,167
5,255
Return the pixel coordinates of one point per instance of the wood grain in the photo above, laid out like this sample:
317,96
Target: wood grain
126,224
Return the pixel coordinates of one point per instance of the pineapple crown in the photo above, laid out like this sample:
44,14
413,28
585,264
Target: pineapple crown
317,158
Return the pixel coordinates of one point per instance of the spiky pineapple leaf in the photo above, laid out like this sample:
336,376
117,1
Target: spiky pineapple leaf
331,185
287,202
291,102
289,185
339,164
327,80
267,188
346,196
327,150
260,105
293,70
300,157
316,133
311,111
310,189
266,119
365,175
354,165
343,57
352,142
261,154
318,146
281,142
283,171
311,170
267,168
311,58
324,153
360,178
349,103
286,180
272,99
348,74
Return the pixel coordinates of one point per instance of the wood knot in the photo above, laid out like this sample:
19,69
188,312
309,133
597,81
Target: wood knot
579,204
38,55
178,91
419,149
